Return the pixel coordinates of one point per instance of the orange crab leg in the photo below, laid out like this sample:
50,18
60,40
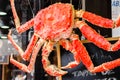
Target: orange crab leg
96,38
34,53
28,68
93,36
68,46
79,51
80,54
23,27
25,55
50,69
30,46
98,20
19,65
116,46
107,66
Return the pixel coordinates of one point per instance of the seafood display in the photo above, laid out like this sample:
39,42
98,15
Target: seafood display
55,24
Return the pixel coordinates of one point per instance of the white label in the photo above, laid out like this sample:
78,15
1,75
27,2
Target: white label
115,13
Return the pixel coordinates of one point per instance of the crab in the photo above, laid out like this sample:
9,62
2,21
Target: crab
55,24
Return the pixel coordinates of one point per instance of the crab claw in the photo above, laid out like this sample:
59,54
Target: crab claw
48,67
54,71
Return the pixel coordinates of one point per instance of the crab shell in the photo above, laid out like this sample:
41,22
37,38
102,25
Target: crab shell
54,22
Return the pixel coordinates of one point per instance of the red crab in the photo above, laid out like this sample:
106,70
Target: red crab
55,24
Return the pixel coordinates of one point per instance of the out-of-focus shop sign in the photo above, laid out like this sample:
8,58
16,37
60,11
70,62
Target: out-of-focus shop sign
6,48
115,9
115,6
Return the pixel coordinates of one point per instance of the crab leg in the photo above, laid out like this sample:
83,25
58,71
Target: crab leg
98,20
25,55
116,46
96,38
50,69
93,36
23,27
68,46
21,66
34,53
79,51
28,68
80,54
107,66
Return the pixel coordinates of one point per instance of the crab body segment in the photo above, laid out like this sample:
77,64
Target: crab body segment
55,24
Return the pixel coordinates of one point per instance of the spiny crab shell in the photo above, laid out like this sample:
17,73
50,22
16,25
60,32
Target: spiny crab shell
54,22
